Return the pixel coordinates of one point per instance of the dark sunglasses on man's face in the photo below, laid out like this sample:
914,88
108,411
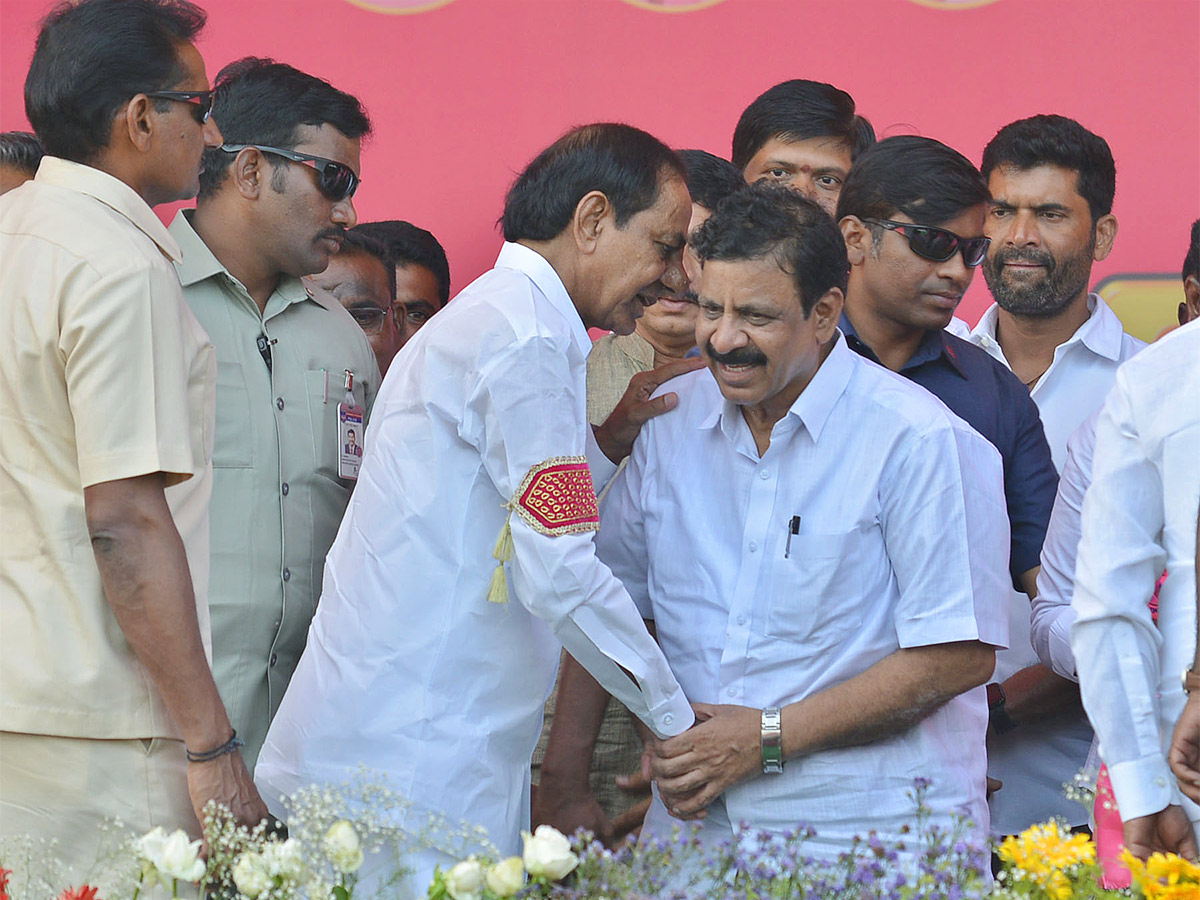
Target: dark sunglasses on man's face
938,244
201,101
336,180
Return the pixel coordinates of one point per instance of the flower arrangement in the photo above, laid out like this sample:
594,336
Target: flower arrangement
1164,876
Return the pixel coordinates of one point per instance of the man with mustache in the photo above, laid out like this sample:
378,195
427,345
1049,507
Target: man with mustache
465,563
1051,184
912,214
803,532
274,201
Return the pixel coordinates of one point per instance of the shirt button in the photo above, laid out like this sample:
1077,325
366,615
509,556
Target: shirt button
285,489
753,546
732,692
764,474
274,659
668,719
279,403
1161,782
741,620
287,574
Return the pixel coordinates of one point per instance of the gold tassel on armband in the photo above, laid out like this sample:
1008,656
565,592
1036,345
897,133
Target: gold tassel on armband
498,590
556,497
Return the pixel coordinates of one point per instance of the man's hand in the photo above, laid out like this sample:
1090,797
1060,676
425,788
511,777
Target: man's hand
694,768
1184,753
616,436
1168,831
226,781
637,784
570,810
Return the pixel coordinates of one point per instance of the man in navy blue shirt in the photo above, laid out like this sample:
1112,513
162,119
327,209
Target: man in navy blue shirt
912,213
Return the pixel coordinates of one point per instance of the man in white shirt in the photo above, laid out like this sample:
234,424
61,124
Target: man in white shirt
1139,519
820,544
426,660
1051,183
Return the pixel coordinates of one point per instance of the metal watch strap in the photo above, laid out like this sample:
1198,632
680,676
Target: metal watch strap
772,740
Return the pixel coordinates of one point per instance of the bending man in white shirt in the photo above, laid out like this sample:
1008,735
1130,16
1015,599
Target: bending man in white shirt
1139,518
819,542
426,660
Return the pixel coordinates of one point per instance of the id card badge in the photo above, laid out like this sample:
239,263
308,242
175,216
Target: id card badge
349,433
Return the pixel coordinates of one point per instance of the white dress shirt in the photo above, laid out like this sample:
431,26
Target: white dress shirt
1052,615
1035,762
697,529
409,669
1139,518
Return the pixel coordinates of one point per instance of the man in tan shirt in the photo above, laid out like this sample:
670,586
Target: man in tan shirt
106,398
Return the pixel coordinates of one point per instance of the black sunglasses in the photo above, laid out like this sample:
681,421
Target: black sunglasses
336,180
938,244
201,101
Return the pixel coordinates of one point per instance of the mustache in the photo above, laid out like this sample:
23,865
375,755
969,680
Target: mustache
1015,255
742,356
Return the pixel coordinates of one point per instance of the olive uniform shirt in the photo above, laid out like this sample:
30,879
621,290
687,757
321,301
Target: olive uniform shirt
277,498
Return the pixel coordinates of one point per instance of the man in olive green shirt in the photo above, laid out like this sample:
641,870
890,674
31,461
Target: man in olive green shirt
262,220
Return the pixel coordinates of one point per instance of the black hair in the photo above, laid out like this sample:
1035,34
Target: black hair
1191,262
797,110
1058,141
764,220
356,241
916,176
710,179
260,101
622,162
93,57
21,150
406,244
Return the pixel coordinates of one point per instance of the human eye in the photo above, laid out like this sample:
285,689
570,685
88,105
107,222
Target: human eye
831,182
1050,215
999,212
710,310
757,319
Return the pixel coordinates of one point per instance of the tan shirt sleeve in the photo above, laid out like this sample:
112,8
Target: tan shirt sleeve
124,342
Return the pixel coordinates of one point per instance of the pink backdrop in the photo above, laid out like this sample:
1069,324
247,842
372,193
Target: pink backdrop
464,93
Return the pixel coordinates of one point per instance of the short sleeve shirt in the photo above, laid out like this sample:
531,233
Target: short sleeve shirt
105,375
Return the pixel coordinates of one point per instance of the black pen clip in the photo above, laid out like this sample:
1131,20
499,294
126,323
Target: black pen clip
793,528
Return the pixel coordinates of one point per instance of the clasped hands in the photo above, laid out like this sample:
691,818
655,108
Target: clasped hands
692,769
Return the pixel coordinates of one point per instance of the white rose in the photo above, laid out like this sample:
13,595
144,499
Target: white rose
548,853
506,877
250,875
465,880
342,847
284,859
172,855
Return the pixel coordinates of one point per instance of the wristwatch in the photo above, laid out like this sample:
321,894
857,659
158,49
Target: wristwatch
1191,681
999,721
772,740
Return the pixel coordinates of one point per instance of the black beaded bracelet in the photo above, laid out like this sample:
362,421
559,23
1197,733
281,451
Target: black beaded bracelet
209,755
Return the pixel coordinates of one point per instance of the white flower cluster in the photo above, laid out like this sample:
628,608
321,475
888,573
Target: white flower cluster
547,857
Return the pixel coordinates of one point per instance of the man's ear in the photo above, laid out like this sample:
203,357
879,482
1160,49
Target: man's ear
1106,235
858,238
593,214
250,172
136,123
826,313
1191,299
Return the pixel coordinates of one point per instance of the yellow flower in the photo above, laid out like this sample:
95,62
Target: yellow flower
1171,869
1047,856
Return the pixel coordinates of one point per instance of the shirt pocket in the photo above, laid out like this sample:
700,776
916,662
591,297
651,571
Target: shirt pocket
815,595
234,445
324,395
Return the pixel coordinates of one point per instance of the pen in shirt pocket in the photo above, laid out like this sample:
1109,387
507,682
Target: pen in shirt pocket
793,528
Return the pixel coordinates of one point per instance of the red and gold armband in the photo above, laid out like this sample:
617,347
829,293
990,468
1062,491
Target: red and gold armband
555,497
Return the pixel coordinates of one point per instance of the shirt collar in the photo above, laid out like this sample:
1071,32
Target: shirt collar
199,263
1102,332
538,269
812,407
935,344
113,193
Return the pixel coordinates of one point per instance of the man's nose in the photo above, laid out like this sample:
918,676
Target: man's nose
212,133
344,214
956,270
727,335
1023,230
674,277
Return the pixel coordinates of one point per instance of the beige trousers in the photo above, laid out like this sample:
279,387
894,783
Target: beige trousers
64,788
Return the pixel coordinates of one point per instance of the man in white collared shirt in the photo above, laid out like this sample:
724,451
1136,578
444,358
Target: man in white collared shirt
1052,184
426,661
821,545
1139,519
